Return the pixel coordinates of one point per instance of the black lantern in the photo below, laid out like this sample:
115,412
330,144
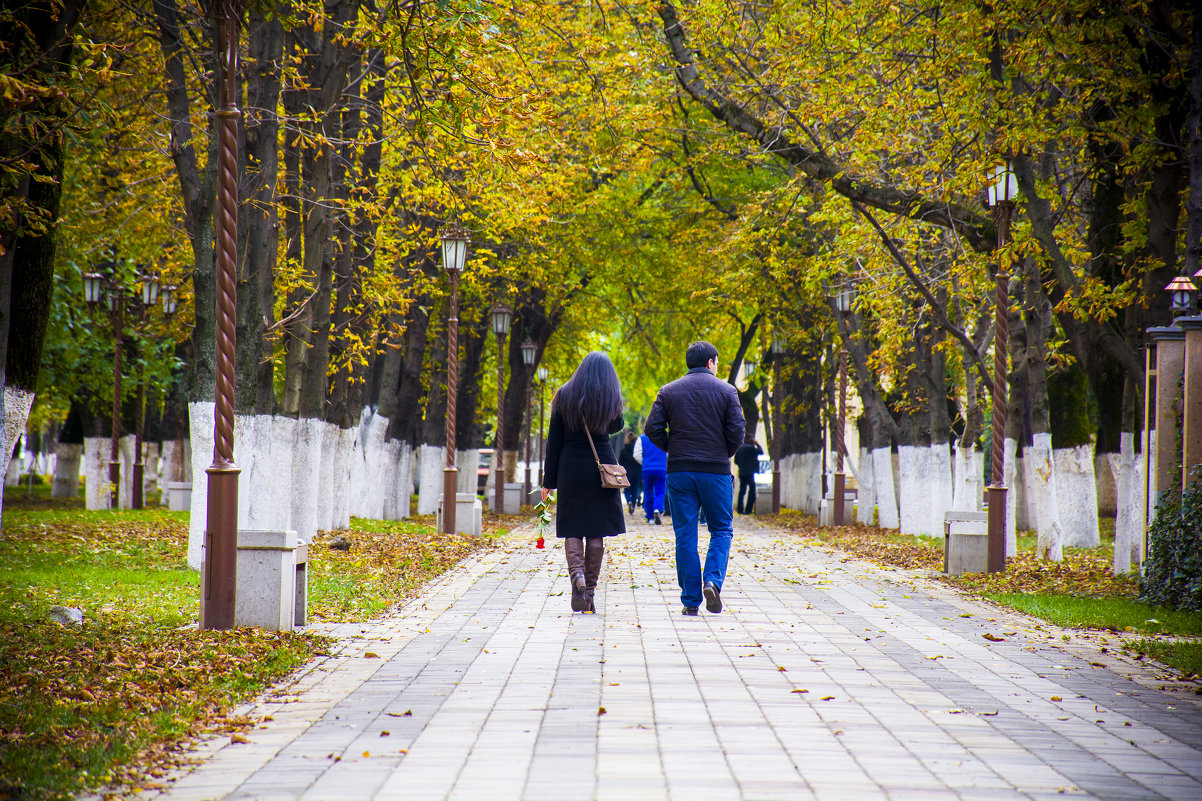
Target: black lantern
1181,291
501,316
529,352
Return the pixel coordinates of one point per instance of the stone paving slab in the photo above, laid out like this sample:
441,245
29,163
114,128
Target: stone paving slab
824,678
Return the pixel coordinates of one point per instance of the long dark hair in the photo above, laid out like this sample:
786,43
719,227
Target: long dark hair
592,394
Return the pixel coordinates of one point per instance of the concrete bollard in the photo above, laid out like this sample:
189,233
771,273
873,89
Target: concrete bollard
179,496
965,542
273,580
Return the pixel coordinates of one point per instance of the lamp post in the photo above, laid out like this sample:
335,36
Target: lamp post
542,438
843,306
501,316
777,349
219,579
150,296
454,251
96,287
1001,195
529,352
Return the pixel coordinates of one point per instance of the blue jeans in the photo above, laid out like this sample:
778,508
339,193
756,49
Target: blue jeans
693,493
653,492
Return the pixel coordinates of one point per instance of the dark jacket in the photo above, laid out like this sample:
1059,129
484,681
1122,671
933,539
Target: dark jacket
634,470
697,419
747,458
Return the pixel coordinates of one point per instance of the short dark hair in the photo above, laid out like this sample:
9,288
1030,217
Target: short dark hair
699,353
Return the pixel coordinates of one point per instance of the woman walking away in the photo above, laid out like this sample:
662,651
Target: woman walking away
588,406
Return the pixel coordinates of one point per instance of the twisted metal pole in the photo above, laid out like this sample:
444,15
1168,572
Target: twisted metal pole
996,545
499,455
118,295
450,476
840,444
219,572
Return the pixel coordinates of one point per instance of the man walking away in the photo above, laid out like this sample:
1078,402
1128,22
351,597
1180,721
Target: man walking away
747,460
698,421
655,472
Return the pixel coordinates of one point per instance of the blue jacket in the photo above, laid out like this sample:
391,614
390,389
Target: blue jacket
653,458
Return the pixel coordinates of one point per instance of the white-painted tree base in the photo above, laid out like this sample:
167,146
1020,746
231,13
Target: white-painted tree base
17,403
1129,502
865,492
801,482
344,454
914,473
429,484
1077,496
469,464
969,479
326,468
885,483
125,450
1009,476
1106,472
66,470
96,473
200,431
306,476
940,487
1041,487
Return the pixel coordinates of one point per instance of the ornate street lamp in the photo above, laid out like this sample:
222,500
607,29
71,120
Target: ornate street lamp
1181,291
454,252
150,296
501,315
748,368
843,305
529,354
1001,193
219,571
777,349
99,287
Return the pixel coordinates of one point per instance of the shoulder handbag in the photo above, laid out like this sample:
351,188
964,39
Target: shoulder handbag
613,476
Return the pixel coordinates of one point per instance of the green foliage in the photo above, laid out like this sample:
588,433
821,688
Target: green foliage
1115,614
1184,656
1173,570
1071,408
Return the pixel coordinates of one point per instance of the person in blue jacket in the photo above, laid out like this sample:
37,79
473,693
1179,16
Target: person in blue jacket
655,473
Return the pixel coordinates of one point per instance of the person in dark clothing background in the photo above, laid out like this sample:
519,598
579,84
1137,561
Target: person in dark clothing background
588,405
747,461
634,471
698,421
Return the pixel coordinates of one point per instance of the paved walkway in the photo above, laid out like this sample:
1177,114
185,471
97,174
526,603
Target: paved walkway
826,678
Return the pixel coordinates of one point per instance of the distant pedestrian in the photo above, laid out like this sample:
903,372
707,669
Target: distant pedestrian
655,473
747,462
589,405
698,421
634,471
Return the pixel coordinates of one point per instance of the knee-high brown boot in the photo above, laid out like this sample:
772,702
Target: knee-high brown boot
594,552
573,549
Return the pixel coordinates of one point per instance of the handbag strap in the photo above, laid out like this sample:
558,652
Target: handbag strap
589,436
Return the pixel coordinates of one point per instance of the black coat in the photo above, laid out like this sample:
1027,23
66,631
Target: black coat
634,470
583,507
747,458
698,420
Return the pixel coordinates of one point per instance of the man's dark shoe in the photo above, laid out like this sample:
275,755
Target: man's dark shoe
659,521
691,611
713,600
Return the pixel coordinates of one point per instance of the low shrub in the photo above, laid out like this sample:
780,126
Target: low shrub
1173,569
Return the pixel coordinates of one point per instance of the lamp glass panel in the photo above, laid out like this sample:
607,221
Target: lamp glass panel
150,291
500,320
542,374
91,287
529,350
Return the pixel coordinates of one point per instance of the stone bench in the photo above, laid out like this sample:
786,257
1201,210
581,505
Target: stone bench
469,514
965,542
